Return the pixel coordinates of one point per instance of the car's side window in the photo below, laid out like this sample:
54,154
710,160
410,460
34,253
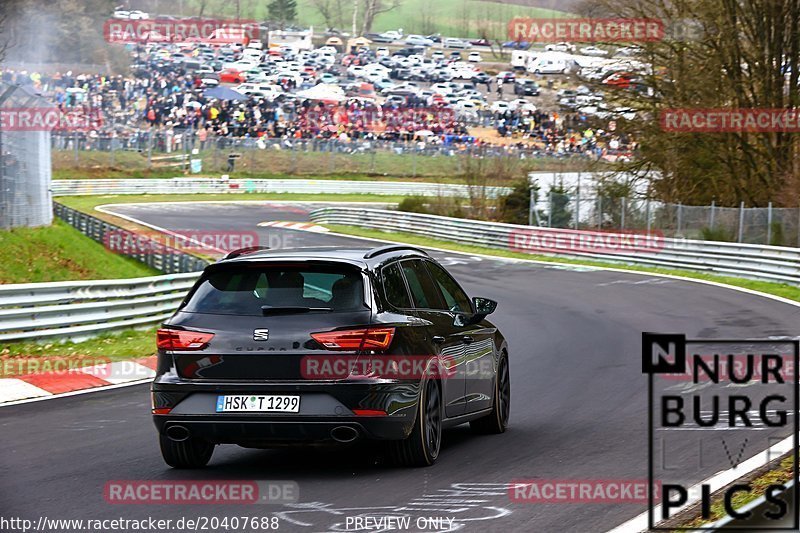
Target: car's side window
394,287
423,291
454,296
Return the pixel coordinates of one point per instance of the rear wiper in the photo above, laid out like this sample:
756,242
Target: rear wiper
279,309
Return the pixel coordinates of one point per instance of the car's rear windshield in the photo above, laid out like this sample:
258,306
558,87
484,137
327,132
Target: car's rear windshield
250,289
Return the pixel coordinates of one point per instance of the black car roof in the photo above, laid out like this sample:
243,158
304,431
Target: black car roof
368,257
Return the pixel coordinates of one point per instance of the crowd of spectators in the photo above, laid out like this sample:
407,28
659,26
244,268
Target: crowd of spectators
173,104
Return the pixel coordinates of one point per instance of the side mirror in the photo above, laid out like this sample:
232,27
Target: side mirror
484,306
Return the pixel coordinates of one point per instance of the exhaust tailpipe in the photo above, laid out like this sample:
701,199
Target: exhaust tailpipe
177,433
344,434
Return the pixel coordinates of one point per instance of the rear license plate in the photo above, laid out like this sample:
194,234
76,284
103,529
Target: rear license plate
258,404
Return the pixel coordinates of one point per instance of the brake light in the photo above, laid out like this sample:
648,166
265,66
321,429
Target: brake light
175,339
356,339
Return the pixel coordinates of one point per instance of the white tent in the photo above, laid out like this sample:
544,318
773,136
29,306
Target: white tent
325,92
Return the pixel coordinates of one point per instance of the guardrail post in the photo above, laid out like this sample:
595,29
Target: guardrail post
769,223
741,221
599,212
711,216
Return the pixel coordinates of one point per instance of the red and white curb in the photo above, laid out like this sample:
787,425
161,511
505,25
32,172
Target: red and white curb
45,384
300,226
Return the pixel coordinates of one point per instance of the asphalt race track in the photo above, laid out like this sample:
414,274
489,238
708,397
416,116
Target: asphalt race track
578,408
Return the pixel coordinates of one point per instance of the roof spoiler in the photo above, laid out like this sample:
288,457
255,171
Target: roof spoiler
392,248
244,251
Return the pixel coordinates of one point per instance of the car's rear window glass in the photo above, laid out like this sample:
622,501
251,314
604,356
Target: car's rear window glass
244,290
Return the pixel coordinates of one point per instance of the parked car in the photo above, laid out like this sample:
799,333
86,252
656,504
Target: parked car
505,76
418,40
379,38
526,87
474,57
452,42
230,75
560,47
240,360
593,51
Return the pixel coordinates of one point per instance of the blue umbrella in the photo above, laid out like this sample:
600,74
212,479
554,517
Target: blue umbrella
224,93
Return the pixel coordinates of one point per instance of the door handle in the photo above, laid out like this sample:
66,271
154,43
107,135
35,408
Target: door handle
438,339
467,339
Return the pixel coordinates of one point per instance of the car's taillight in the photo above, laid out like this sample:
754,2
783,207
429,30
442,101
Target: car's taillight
356,339
176,339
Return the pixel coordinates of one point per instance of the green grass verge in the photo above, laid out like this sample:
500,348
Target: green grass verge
265,164
783,473
59,253
778,289
28,357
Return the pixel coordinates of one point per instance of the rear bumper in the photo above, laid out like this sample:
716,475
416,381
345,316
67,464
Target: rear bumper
324,406
265,431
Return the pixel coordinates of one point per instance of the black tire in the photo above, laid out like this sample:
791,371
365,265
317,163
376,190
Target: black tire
190,453
422,446
497,421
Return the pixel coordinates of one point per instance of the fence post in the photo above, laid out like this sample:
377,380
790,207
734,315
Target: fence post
150,149
599,212
577,207
624,204
530,205
680,217
647,214
769,223
741,221
711,216
550,211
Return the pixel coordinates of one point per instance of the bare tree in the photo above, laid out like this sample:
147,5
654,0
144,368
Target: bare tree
373,8
331,12
716,54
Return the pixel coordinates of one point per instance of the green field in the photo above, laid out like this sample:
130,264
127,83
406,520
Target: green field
457,18
59,253
68,164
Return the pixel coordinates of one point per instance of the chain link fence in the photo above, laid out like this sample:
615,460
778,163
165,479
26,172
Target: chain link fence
25,169
186,151
752,225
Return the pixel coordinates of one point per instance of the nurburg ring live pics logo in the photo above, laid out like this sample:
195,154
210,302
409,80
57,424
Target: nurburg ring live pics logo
712,406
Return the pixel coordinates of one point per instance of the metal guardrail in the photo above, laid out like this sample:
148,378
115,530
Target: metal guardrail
163,258
767,263
216,185
80,309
